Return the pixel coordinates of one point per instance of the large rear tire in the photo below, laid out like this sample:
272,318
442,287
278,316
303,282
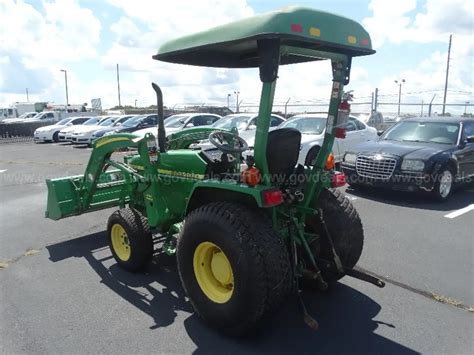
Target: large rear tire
130,239
233,266
345,227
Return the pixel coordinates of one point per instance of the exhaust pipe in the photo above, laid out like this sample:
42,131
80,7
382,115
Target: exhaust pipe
161,119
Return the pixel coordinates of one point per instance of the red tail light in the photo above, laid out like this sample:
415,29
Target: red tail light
272,198
338,179
340,132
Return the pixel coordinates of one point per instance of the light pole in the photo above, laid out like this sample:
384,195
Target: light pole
135,103
65,79
399,82
237,101
465,108
228,98
27,96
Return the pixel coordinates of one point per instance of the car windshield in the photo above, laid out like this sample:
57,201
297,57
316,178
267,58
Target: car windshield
306,124
229,122
176,121
132,122
64,121
91,121
427,132
107,122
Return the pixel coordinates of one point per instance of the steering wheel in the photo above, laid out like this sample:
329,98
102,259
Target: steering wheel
228,142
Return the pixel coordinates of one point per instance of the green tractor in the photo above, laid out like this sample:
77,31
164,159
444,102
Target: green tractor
249,231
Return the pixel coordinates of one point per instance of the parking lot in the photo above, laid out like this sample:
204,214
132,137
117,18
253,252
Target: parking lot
61,291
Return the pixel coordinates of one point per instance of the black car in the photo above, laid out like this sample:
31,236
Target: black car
417,154
138,122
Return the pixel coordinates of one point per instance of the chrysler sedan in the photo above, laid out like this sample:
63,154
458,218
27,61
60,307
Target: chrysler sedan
417,154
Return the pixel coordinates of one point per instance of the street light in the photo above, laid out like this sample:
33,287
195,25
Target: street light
135,103
228,98
465,108
237,100
399,82
65,79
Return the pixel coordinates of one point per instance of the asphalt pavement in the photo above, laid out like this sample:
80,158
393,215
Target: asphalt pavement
61,291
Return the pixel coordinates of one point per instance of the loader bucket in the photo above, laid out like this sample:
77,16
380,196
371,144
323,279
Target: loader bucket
65,195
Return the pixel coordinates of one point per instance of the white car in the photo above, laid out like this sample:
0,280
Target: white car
313,128
83,134
51,133
20,118
65,134
178,122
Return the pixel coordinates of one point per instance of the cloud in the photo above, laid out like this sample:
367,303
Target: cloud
396,22
39,41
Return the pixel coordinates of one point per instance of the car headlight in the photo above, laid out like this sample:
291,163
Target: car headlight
413,165
350,158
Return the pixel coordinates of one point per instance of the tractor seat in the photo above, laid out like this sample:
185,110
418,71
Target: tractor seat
283,148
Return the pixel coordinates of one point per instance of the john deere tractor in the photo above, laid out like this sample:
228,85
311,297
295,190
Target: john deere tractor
249,231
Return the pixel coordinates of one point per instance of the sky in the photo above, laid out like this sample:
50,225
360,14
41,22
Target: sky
88,38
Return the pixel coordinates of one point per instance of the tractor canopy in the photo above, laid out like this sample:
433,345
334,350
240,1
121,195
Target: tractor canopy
303,34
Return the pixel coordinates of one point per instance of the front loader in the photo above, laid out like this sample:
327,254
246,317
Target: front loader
246,231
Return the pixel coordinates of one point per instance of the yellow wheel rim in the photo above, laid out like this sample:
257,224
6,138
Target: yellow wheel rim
213,272
120,242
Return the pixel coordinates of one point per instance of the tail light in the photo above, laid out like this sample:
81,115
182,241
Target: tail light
272,197
338,179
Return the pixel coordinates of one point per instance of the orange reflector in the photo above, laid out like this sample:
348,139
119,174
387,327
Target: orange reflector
340,132
352,39
338,179
251,176
272,197
364,42
330,162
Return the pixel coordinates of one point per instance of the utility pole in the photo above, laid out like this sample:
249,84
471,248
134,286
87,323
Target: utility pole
422,108
237,101
447,74
399,82
135,103
429,107
228,98
465,108
376,99
67,96
118,85
27,96
372,103
286,105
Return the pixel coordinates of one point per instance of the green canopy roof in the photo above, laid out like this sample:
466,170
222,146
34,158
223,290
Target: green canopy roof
234,45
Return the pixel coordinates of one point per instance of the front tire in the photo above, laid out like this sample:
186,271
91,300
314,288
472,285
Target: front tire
345,227
56,137
130,239
233,266
444,185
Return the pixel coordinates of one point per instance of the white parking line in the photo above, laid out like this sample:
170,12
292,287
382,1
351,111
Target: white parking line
2,171
460,212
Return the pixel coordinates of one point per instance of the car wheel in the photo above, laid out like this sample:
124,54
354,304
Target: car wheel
444,185
56,137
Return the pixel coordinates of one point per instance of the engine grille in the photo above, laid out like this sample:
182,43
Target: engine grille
375,166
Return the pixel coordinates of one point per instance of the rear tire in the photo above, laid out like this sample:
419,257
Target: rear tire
252,281
345,227
130,239
56,137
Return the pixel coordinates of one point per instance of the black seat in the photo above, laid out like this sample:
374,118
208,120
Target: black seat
283,148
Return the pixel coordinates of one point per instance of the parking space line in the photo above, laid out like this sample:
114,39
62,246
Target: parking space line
2,171
460,212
